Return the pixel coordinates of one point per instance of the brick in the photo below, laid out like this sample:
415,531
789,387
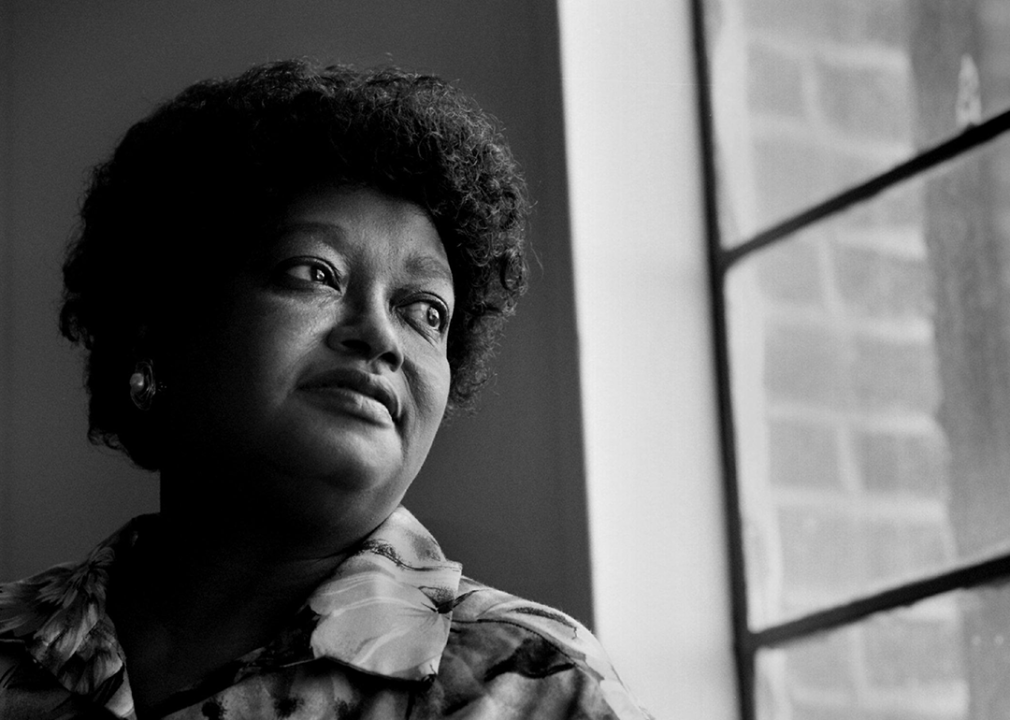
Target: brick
876,284
789,272
774,83
817,549
995,15
892,377
807,710
803,454
798,18
896,549
912,654
831,709
912,714
822,662
851,167
866,102
792,174
852,22
874,22
998,167
804,364
916,464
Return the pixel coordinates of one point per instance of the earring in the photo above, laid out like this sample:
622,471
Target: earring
142,385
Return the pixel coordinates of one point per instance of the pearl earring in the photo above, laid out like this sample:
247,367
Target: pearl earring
142,385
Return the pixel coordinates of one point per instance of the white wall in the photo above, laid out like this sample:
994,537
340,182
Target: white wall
642,304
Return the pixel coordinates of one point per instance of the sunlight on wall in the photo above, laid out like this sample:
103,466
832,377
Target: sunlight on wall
658,551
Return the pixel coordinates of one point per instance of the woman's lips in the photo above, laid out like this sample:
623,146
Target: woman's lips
366,395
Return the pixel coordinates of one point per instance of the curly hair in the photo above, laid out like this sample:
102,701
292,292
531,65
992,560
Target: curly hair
205,177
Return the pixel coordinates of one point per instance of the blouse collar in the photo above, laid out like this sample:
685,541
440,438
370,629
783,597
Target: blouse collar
386,611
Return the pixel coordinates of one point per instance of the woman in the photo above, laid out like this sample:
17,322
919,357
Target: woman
282,282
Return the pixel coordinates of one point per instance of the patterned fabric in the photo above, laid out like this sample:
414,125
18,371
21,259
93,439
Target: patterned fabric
396,632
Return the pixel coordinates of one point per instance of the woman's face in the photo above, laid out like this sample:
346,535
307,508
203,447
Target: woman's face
325,366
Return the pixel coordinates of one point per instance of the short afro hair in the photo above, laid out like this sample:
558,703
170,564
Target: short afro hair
207,175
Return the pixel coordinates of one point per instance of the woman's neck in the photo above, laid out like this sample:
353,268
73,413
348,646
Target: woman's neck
262,515
216,576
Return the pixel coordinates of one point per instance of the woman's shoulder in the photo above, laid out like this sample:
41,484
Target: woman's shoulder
12,653
514,650
490,608
29,692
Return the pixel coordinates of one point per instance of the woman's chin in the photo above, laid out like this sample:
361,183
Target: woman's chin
348,453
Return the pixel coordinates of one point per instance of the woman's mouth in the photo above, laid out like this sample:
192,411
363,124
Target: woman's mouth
365,395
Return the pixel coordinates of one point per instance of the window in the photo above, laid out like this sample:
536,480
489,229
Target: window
858,182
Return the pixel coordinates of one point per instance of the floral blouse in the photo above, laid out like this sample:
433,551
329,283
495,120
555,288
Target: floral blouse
396,632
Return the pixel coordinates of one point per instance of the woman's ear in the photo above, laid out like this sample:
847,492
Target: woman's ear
141,347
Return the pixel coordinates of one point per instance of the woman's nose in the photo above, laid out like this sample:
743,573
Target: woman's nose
366,330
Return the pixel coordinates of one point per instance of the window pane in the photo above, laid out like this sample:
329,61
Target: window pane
813,96
941,659
870,362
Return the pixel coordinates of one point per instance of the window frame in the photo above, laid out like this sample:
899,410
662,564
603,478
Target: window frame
748,642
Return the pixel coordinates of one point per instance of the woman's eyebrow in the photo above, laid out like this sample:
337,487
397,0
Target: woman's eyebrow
429,266
421,264
331,233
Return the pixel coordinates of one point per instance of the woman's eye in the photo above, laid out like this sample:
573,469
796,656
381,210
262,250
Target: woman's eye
429,315
433,316
308,271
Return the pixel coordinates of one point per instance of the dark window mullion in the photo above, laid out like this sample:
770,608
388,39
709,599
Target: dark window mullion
972,137
961,578
743,653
